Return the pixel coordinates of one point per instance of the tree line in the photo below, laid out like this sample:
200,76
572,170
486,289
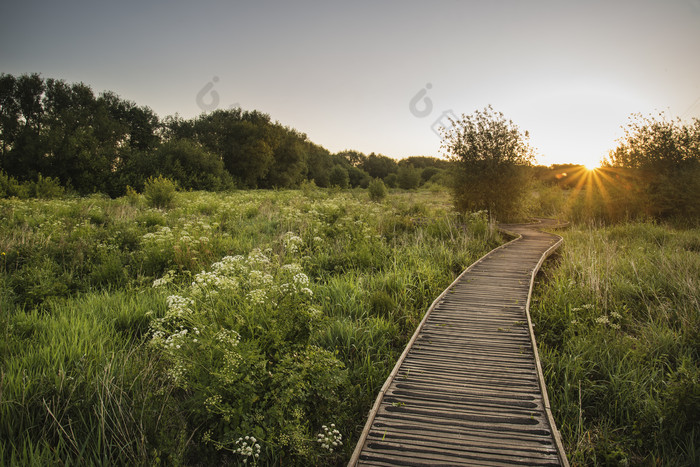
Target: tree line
55,133
53,130
653,173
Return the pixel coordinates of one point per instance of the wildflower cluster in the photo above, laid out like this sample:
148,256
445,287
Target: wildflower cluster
161,238
210,283
587,314
248,447
165,280
181,244
330,438
613,320
292,243
178,306
330,218
203,319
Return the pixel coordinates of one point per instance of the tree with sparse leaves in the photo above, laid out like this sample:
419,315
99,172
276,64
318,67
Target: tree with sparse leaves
491,153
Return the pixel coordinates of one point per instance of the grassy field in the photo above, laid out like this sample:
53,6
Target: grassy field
617,319
253,327
257,327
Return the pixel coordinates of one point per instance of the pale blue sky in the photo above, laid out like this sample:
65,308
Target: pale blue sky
570,72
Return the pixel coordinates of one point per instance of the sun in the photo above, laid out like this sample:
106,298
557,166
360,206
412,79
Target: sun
591,164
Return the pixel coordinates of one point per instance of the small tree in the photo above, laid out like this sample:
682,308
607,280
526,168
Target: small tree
160,192
377,190
491,153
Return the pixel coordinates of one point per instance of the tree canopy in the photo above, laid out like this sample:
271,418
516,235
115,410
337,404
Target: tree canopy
490,152
102,143
658,160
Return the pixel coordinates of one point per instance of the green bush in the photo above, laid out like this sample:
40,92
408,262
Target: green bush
191,166
308,187
297,335
9,186
377,190
339,177
408,178
46,188
132,196
160,192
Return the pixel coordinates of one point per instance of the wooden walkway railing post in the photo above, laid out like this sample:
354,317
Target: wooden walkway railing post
468,389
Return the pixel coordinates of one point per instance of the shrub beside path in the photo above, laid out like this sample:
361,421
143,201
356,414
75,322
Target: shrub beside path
468,389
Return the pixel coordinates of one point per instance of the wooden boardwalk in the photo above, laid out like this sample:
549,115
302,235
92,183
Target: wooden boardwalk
468,388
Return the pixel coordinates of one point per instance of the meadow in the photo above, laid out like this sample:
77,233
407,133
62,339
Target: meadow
617,320
256,327
253,327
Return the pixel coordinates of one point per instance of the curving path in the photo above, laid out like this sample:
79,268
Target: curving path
468,388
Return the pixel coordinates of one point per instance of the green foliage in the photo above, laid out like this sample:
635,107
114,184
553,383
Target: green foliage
339,177
67,133
378,166
660,161
392,180
88,292
377,190
490,152
617,327
358,178
45,188
42,187
408,178
191,166
428,173
132,196
104,144
160,192
9,186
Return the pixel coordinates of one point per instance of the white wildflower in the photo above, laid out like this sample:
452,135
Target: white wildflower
257,297
248,447
329,438
301,279
178,306
602,319
292,242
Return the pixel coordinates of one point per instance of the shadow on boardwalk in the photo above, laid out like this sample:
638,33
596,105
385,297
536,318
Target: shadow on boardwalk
468,389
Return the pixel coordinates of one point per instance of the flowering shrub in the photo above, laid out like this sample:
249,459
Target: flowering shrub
266,314
237,338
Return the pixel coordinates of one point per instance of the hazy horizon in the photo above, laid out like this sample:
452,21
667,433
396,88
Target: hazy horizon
345,74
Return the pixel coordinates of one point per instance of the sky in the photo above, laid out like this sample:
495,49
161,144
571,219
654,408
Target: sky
379,76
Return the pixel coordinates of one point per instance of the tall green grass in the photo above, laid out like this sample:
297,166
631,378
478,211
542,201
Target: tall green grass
618,327
81,380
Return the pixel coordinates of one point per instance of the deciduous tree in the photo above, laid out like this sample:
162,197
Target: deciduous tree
661,161
490,152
